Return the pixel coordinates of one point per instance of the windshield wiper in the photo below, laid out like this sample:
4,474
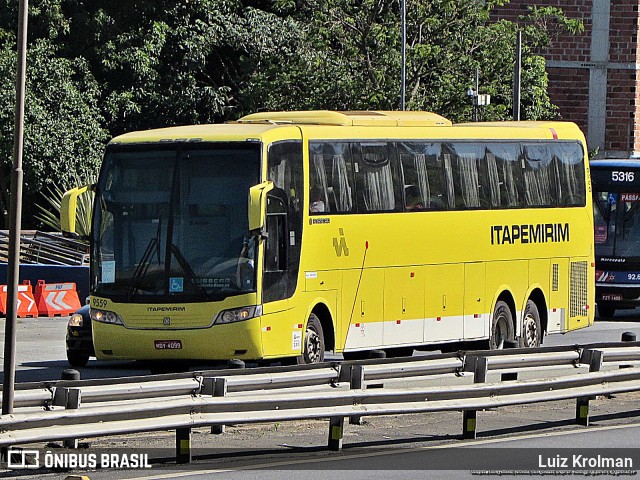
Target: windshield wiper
145,261
186,268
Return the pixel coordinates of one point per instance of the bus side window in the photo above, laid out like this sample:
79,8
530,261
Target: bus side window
421,165
377,178
539,176
469,174
510,182
568,159
331,178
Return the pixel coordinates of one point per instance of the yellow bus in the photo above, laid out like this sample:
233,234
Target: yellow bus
287,234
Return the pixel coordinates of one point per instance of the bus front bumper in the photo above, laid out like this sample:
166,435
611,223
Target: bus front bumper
241,340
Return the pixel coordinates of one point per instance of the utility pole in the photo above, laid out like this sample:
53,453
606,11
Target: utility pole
517,77
403,74
15,219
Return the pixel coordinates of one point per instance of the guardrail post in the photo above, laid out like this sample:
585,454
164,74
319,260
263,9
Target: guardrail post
511,375
219,390
216,387
183,445
72,403
582,403
469,416
627,337
336,430
356,382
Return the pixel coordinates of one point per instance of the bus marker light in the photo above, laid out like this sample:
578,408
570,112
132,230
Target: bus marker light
413,274
438,319
357,325
476,315
398,322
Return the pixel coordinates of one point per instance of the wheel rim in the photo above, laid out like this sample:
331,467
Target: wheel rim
313,348
530,331
500,333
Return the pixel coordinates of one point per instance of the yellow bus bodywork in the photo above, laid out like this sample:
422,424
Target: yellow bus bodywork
387,279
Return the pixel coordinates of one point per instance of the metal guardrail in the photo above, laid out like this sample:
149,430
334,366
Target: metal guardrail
67,410
46,248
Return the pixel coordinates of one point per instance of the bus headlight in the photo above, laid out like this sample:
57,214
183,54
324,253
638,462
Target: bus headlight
238,314
104,316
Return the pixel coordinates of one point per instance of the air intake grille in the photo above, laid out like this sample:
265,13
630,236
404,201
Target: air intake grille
578,289
554,279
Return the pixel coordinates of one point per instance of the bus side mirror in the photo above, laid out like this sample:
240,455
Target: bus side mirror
258,205
69,208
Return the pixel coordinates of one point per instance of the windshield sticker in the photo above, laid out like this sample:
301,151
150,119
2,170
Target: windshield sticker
109,271
176,284
601,234
612,198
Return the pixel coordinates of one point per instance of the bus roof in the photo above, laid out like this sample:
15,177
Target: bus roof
256,127
615,163
353,118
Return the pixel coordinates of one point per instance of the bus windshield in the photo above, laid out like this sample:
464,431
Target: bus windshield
617,223
172,221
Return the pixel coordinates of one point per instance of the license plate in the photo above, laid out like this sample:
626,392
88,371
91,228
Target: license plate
168,344
612,297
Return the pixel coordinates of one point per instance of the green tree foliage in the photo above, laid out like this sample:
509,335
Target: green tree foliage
347,55
98,69
63,131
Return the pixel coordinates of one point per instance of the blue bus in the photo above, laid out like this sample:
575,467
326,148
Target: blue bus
616,195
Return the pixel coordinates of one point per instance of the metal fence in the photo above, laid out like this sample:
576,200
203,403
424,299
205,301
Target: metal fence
68,410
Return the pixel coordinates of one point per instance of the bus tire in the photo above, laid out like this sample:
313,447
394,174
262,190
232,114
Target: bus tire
606,311
531,333
501,326
313,348
359,355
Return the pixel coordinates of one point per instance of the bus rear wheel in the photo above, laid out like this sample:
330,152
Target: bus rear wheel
313,341
501,326
531,330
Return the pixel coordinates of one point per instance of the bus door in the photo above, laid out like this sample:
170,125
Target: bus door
281,328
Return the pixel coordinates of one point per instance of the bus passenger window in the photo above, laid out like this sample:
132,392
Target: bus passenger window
422,176
376,176
539,176
468,184
331,178
510,182
568,161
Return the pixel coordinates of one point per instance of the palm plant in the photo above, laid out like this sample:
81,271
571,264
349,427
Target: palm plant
50,214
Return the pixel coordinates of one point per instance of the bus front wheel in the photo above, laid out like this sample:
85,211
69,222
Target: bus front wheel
313,341
531,330
501,326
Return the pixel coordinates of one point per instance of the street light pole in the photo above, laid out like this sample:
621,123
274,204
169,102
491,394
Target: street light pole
404,56
15,218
